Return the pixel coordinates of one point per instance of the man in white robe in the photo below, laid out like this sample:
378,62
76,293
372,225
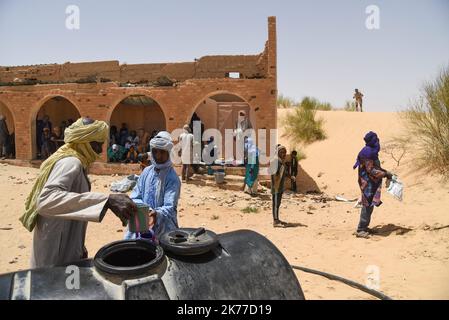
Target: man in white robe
65,204
186,140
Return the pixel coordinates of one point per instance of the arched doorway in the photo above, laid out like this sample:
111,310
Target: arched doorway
7,130
222,111
138,113
55,115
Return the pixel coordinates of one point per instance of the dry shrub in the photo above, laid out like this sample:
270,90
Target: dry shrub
427,126
302,126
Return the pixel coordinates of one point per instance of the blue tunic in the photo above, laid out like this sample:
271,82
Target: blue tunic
146,192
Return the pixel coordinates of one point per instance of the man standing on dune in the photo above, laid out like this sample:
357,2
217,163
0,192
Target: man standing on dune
358,96
60,203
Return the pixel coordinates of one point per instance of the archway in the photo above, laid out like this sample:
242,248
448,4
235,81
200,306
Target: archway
9,145
138,113
223,111
57,112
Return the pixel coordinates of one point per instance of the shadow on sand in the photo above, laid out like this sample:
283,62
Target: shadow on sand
305,182
387,229
294,225
196,181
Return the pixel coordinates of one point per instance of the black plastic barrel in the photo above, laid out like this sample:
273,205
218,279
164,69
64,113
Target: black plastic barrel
189,264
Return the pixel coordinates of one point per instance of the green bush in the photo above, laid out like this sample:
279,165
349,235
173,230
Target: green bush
301,125
314,103
250,209
427,125
300,153
285,102
349,106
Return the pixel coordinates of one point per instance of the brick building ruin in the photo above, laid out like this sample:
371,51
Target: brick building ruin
157,96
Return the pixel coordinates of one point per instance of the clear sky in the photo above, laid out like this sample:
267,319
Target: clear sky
324,47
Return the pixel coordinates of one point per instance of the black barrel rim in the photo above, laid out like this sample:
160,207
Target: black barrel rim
101,263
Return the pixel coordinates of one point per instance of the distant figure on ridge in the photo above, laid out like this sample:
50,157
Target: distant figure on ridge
358,96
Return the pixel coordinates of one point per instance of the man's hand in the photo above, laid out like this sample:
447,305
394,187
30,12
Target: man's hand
152,218
122,206
389,175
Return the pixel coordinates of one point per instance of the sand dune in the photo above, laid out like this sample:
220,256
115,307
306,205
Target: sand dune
410,253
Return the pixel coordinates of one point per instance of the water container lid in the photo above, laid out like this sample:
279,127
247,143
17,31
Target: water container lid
188,241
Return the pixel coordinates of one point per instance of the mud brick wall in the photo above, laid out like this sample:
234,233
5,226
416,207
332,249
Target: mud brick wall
198,81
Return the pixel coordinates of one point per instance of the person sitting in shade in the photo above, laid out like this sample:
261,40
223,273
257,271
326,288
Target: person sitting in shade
123,134
131,156
139,149
144,138
159,188
57,138
135,138
144,160
128,143
116,153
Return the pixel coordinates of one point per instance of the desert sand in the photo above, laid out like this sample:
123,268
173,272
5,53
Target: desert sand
410,249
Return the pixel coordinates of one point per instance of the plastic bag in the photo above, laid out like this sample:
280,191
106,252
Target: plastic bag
396,188
125,185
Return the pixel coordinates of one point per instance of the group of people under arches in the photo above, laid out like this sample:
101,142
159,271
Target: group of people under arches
49,138
7,143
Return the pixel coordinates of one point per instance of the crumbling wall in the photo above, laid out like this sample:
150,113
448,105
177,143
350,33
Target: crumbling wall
262,61
47,72
220,66
260,66
141,73
101,71
208,67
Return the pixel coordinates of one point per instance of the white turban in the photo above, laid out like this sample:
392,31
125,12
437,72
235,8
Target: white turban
162,141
